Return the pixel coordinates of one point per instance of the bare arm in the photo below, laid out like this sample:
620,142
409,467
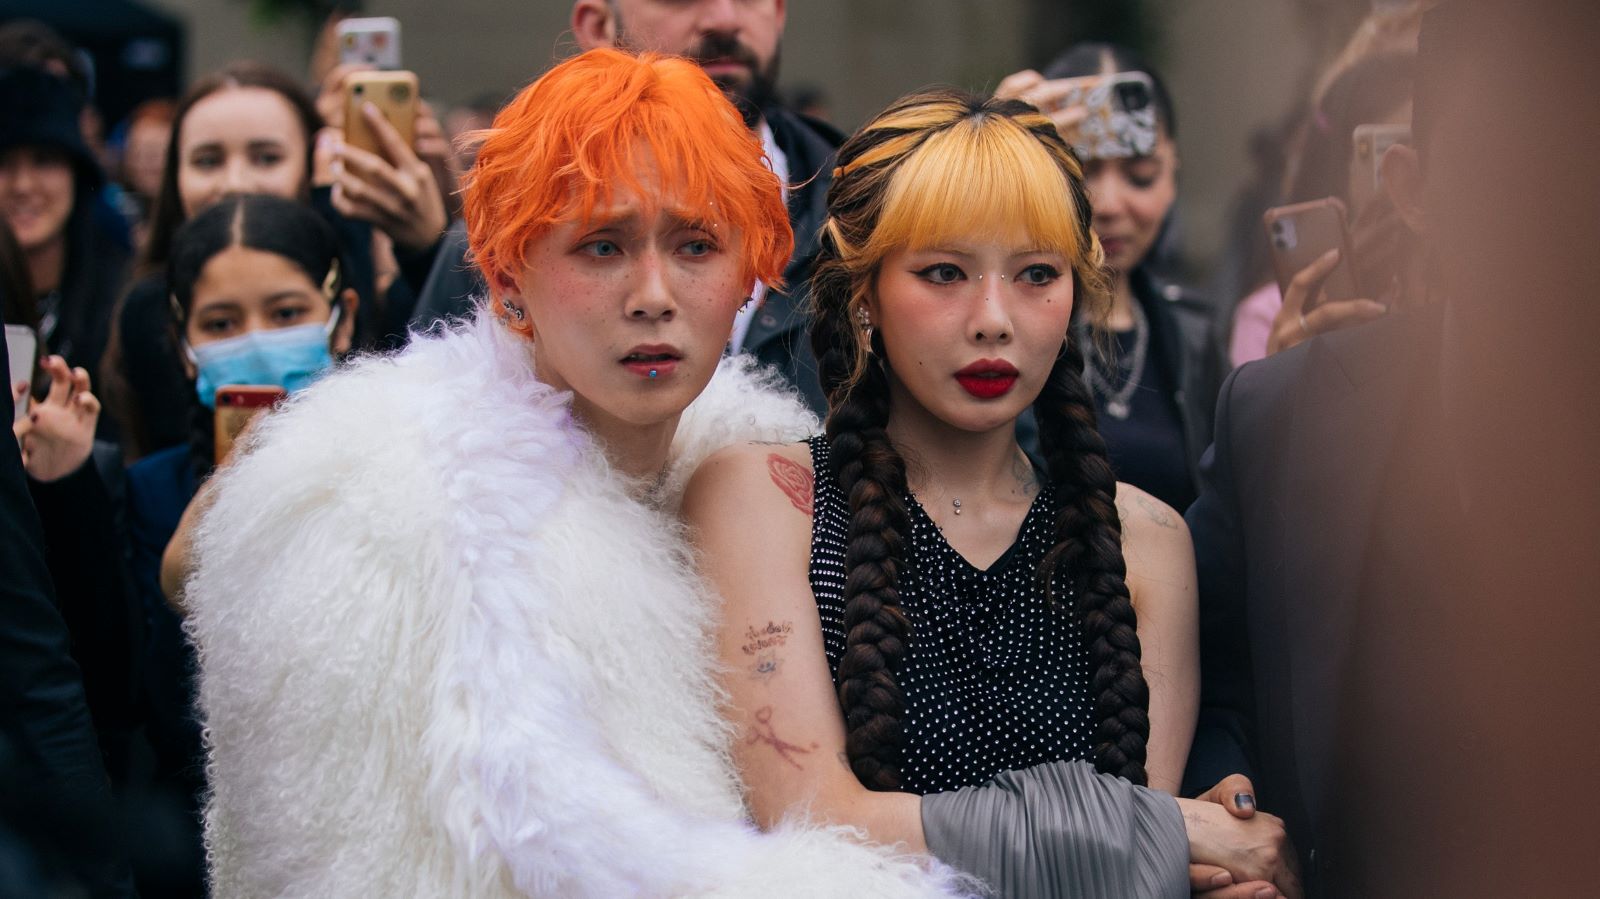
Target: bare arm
749,508
1161,579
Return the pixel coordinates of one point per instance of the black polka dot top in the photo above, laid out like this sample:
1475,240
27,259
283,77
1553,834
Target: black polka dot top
994,678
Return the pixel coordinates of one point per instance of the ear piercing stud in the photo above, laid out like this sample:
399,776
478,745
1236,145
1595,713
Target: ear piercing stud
513,310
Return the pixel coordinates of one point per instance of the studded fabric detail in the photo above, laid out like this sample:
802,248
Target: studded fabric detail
995,678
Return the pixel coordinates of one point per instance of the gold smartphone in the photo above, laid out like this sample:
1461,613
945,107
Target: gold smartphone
395,95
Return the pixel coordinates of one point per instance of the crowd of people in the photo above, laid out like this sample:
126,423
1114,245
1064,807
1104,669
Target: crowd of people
656,491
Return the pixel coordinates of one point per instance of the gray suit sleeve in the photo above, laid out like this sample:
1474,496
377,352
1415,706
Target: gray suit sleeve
1062,830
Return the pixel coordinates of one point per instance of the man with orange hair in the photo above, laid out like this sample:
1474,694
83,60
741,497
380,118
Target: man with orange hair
737,44
452,641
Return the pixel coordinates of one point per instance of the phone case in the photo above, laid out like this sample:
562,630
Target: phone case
395,95
22,349
371,41
1368,144
1300,234
237,405
1122,116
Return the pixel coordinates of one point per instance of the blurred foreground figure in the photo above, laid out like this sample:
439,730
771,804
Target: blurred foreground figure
1399,603
57,820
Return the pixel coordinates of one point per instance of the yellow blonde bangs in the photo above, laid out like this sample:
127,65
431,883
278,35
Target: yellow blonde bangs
985,177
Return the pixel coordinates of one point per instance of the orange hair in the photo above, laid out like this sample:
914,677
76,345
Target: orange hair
566,142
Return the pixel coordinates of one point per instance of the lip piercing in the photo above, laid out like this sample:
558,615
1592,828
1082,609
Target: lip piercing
653,374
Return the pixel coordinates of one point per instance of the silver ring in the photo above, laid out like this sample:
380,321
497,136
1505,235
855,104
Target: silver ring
1304,328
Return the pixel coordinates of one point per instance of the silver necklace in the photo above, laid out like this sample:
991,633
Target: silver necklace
1119,402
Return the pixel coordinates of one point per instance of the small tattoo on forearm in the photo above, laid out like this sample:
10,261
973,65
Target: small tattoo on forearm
1155,511
794,479
766,667
768,636
763,733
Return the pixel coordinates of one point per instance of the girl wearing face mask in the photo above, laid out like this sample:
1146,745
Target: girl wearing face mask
451,639
1155,380
246,129
257,298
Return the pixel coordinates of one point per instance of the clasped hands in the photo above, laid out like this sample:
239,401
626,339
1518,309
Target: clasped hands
1235,851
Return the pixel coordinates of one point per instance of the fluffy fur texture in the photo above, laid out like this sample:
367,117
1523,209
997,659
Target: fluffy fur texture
445,652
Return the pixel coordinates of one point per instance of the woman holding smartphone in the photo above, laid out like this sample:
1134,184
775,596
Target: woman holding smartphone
249,128
451,639
919,625
1155,380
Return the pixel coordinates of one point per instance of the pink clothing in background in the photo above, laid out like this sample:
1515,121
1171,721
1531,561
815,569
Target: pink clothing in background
1252,324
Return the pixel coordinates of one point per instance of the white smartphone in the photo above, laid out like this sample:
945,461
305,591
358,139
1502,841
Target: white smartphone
22,347
373,41
1368,144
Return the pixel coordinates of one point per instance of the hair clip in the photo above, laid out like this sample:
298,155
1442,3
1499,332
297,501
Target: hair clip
332,279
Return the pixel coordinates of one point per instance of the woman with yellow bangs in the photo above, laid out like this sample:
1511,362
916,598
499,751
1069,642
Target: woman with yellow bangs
924,636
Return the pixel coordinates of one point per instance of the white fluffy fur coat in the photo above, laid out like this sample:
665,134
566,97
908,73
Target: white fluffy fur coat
445,653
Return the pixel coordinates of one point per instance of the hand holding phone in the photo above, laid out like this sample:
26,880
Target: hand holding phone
1045,95
57,435
1294,324
1368,144
390,186
1101,116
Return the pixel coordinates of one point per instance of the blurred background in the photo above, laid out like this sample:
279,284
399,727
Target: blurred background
1237,68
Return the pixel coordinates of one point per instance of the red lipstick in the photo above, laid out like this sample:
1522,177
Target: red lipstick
988,378
652,361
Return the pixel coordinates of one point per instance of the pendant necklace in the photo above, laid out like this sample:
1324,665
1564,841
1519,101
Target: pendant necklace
1128,369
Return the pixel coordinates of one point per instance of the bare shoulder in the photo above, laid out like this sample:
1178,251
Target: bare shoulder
1143,514
1155,543
1156,547
752,498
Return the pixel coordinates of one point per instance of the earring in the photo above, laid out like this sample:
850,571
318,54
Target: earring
864,319
514,310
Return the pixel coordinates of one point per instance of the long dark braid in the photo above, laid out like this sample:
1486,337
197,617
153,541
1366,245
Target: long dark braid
873,477
872,474
1087,560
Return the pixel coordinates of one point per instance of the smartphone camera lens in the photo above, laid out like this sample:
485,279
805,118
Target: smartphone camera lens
360,88
400,92
1134,96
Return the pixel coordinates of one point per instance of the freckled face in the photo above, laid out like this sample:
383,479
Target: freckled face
972,352
629,293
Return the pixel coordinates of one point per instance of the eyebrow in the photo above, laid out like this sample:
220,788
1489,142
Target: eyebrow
629,218
254,144
1015,254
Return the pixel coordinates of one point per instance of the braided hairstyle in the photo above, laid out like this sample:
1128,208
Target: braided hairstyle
865,222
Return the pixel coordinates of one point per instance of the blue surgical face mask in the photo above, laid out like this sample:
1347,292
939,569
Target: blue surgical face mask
290,358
